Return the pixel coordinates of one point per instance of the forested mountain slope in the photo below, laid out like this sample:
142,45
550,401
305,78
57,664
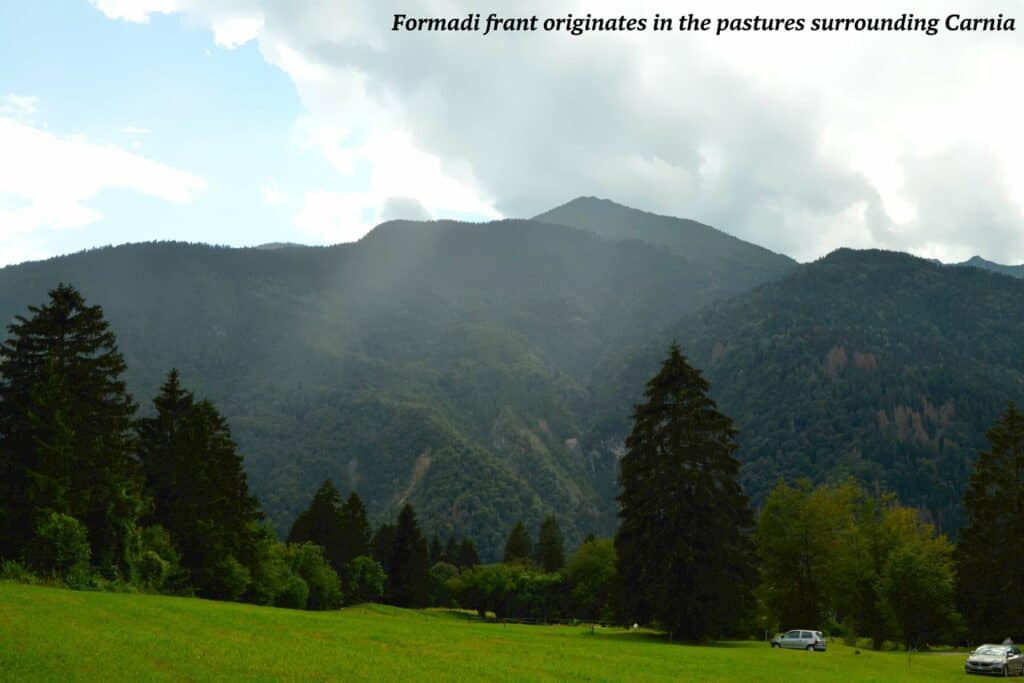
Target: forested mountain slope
439,363
870,364
730,259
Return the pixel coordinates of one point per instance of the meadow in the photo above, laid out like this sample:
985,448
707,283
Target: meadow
56,634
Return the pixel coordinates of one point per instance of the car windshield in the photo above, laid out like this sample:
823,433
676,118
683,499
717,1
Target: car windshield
990,650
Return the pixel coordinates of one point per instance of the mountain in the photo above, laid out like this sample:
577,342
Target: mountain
729,258
441,363
279,245
870,364
978,262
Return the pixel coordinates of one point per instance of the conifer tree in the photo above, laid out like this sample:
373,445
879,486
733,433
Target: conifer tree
518,547
199,487
451,551
355,531
383,545
436,551
408,570
66,442
684,554
321,524
467,556
550,546
990,564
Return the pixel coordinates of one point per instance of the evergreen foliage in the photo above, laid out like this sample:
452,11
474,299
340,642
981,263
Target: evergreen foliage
321,524
518,547
408,566
199,489
990,571
467,556
684,555
66,444
550,546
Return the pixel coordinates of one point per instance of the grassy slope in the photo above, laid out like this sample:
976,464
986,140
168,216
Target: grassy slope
52,634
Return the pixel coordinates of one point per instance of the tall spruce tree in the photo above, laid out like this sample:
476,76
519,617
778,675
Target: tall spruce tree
467,557
550,546
684,554
199,487
355,530
383,544
990,564
518,547
408,570
66,443
436,550
451,551
321,524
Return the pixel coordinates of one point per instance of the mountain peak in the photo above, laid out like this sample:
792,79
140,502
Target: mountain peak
694,241
991,266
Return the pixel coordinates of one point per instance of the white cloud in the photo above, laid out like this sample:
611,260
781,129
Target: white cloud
272,196
46,180
232,23
801,142
135,10
18,105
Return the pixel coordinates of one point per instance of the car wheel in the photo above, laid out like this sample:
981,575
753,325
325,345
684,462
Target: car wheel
774,645
810,648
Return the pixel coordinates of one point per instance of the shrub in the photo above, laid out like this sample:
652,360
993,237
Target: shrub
152,570
366,580
15,571
307,561
60,547
440,574
228,579
294,594
271,574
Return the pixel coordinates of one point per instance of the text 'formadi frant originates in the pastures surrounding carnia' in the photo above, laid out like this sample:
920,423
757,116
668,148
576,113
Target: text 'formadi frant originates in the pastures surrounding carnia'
578,25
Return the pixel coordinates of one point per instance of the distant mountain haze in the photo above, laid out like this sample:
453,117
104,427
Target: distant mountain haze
440,363
485,372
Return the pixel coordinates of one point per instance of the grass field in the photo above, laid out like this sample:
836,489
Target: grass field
61,635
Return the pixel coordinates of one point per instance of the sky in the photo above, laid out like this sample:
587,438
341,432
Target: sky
242,122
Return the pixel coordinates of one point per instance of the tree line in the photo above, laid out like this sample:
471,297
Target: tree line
93,496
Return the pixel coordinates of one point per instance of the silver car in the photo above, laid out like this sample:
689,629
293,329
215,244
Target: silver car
800,639
1001,660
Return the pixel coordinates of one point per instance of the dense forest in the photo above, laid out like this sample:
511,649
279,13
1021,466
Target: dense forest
866,364
485,373
441,364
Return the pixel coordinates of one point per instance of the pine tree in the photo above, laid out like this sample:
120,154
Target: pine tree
160,445
408,570
355,532
467,556
990,570
550,546
321,524
518,547
199,487
684,554
383,545
66,442
436,551
451,551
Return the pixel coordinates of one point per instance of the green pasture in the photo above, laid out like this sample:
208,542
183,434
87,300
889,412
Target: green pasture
61,635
